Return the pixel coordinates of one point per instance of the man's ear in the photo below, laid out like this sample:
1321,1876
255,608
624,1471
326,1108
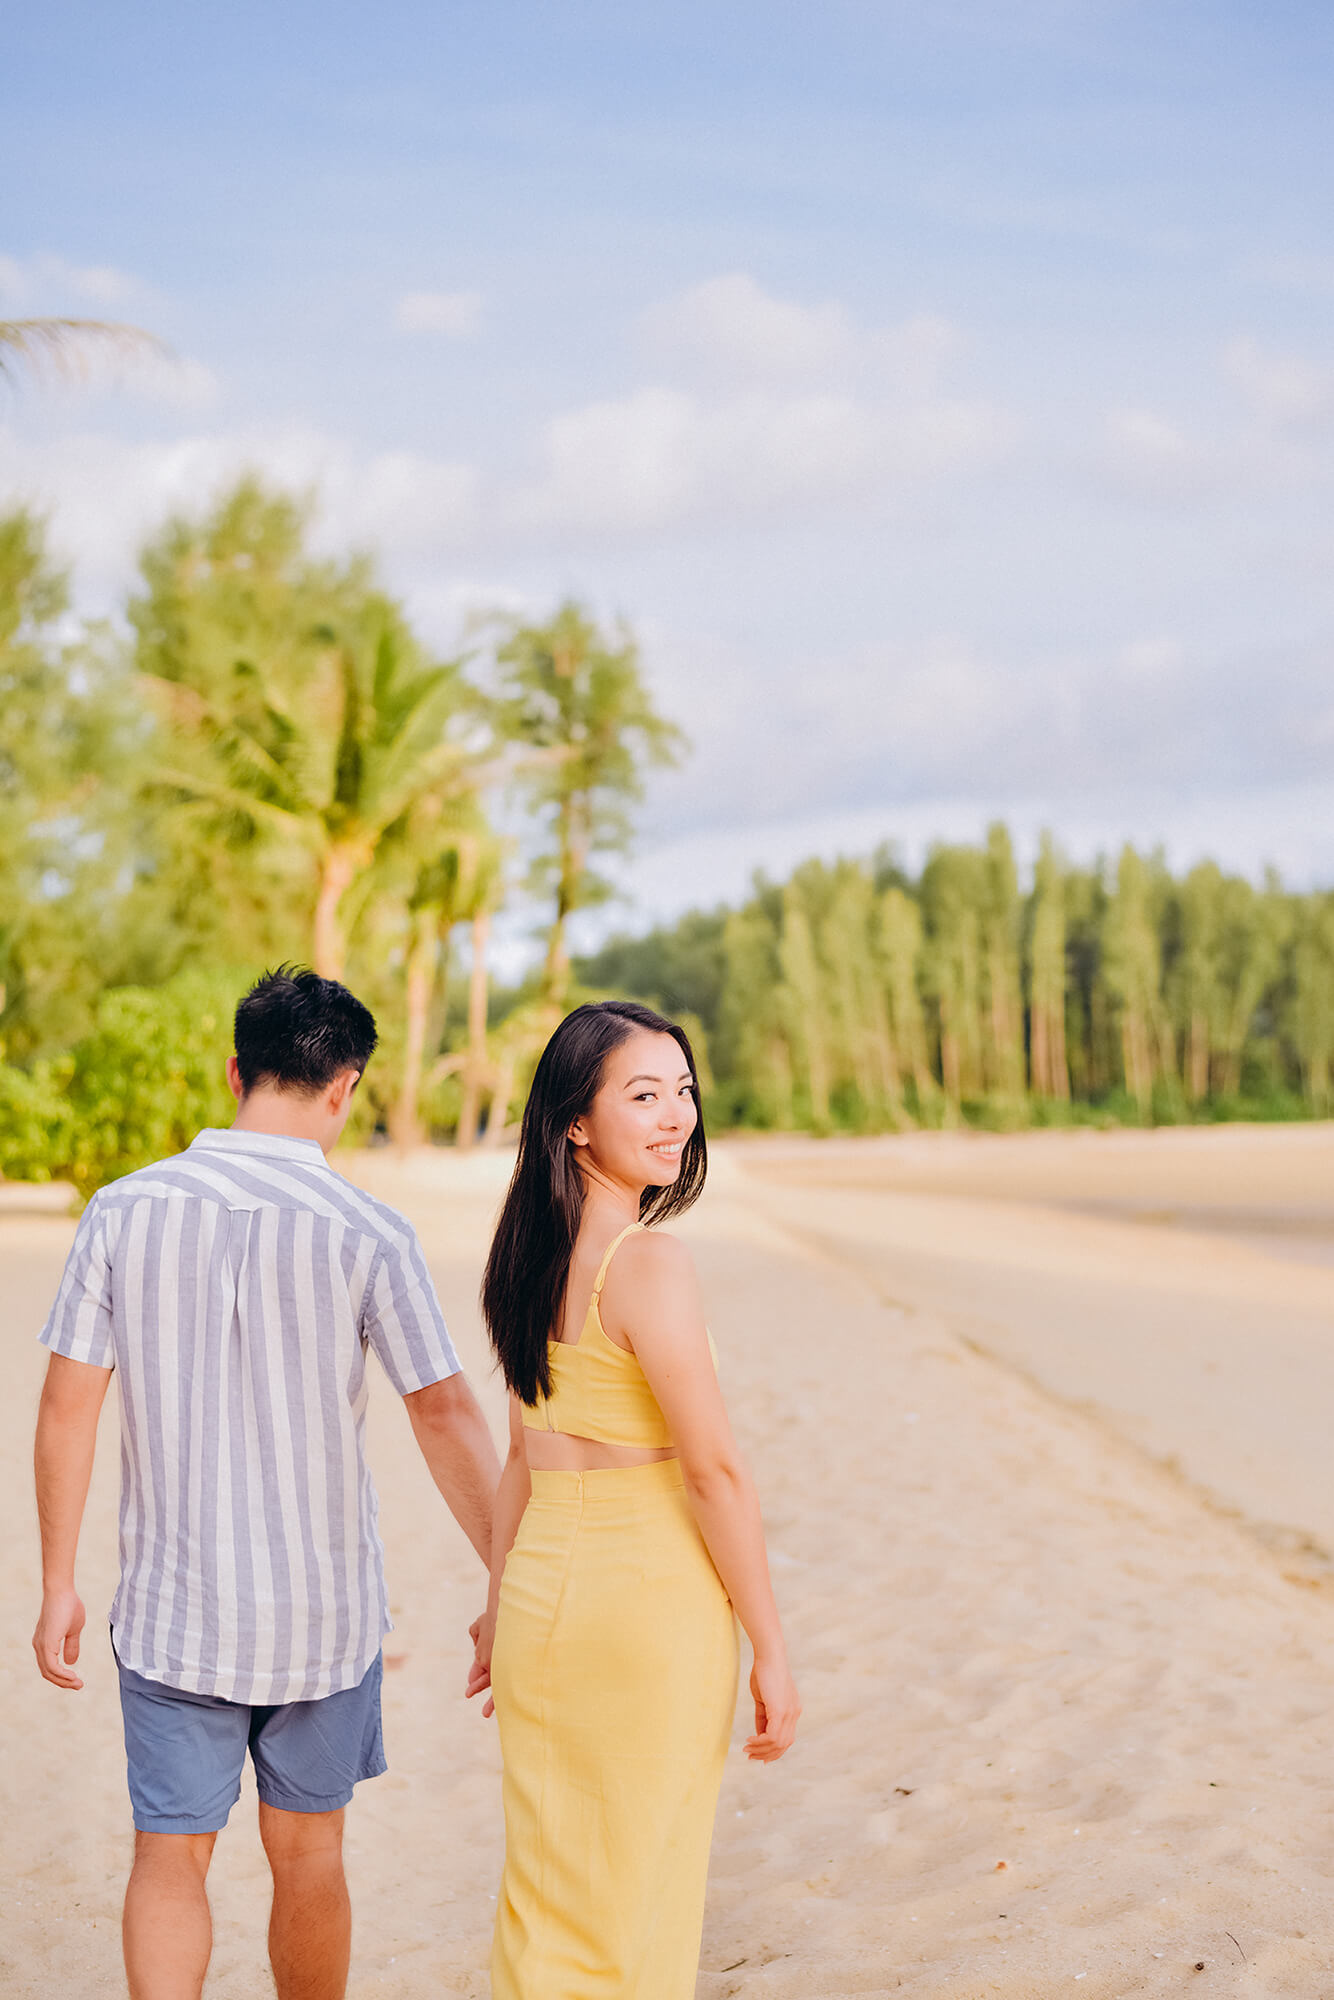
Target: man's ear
340,1091
234,1083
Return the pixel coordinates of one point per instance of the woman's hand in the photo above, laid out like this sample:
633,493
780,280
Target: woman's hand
482,1632
776,1711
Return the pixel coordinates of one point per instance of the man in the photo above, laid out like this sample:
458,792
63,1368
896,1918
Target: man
236,1288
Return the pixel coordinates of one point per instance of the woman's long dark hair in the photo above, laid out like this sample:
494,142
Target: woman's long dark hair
529,1264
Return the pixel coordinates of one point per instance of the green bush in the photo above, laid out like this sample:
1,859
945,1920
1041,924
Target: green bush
148,1077
36,1129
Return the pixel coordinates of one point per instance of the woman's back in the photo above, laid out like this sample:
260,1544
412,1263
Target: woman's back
601,1410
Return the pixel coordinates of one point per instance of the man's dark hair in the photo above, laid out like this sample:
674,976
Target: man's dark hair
298,1031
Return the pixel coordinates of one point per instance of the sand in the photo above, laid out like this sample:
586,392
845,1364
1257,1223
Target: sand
1067,1706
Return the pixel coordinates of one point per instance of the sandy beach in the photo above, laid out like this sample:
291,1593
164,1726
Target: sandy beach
1040,1426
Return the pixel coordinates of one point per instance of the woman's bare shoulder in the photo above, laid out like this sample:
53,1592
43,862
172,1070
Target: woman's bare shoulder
652,1285
654,1256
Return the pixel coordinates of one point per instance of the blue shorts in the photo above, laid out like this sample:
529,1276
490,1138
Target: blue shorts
186,1751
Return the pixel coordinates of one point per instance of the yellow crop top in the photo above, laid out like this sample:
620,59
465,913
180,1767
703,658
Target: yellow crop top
599,1390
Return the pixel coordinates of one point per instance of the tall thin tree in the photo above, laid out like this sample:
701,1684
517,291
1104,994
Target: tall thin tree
579,698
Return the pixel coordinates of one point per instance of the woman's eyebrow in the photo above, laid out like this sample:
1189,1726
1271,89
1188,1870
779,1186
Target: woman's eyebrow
683,1078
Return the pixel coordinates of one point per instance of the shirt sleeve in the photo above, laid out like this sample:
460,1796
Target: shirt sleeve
80,1325
402,1320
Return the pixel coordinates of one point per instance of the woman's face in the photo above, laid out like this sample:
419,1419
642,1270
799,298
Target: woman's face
643,1113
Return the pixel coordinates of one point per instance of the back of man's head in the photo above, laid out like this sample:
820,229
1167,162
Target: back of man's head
297,1032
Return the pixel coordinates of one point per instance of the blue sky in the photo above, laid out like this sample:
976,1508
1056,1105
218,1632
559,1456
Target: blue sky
944,392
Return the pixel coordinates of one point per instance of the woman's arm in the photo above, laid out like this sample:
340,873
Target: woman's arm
655,1305
512,1497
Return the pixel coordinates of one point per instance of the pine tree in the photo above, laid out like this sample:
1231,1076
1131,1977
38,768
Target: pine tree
1312,1003
1049,1070
752,1030
805,1012
953,897
897,927
1004,1027
847,947
1133,971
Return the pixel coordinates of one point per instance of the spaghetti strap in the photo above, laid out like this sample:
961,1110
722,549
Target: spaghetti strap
612,1248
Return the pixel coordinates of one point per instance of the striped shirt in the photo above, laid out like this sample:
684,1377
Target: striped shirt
235,1290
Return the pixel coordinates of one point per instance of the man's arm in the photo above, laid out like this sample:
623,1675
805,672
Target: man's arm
454,1440
72,1398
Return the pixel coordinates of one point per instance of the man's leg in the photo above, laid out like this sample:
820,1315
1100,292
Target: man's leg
168,1932
310,1931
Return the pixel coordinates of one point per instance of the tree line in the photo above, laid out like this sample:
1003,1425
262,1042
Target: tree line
857,997
263,761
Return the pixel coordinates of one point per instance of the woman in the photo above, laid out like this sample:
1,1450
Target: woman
626,1532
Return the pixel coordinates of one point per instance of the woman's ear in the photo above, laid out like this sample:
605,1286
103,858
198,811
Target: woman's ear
576,1134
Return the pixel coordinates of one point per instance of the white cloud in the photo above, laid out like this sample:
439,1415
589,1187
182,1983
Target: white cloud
887,728
454,314
1151,457
667,455
46,280
1303,273
662,458
730,329
656,461
731,321
1271,447
177,381
106,495
1286,389
101,284
399,501
802,432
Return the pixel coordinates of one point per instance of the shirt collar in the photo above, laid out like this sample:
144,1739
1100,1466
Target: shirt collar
268,1145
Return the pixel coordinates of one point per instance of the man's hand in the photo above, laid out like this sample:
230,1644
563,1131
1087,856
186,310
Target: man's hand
72,1398
56,1640
482,1632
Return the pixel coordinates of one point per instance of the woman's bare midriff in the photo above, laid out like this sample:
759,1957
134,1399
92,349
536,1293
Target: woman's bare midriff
558,1451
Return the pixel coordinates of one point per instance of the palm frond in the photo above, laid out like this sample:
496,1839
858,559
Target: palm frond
68,347
194,790
201,718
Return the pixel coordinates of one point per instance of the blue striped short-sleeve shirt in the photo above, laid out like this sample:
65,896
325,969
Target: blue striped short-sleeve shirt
235,1290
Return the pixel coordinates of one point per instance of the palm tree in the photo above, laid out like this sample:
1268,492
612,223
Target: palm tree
298,708
463,886
580,708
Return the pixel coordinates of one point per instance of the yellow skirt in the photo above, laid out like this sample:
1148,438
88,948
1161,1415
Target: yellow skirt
614,1674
